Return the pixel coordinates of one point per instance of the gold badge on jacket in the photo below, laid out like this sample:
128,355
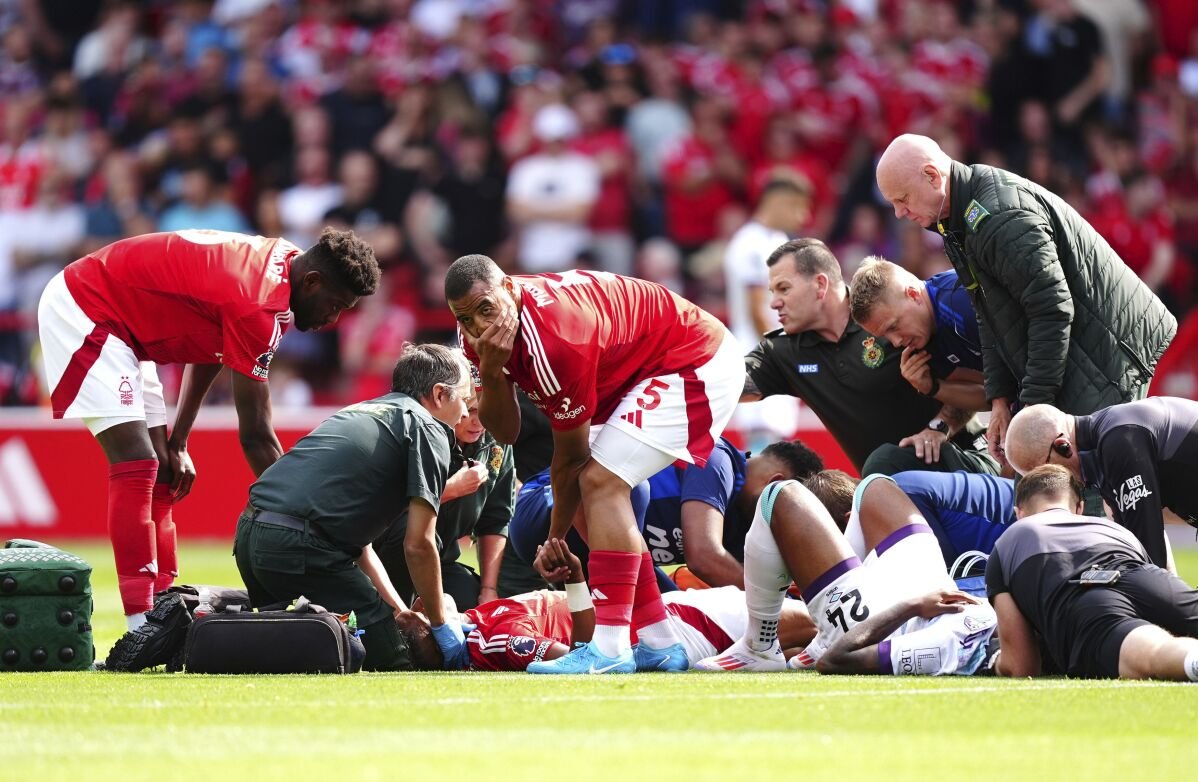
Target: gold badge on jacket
496,459
871,353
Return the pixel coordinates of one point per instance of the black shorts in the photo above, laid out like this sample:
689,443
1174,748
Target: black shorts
1102,616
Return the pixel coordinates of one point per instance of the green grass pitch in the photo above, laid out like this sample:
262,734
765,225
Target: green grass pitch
156,726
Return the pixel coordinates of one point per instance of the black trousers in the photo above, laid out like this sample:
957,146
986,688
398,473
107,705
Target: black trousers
889,459
279,564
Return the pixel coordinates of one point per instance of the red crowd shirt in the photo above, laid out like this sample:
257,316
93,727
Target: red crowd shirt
20,172
586,338
513,632
691,215
190,297
1133,238
612,208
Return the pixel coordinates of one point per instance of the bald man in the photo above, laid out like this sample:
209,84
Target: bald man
1142,457
1062,319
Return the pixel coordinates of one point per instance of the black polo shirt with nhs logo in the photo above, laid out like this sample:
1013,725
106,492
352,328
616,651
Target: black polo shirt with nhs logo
853,385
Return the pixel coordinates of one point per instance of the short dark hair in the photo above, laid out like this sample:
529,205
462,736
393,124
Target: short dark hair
800,460
835,490
426,654
466,271
346,260
420,367
790,185
1050,480
811,257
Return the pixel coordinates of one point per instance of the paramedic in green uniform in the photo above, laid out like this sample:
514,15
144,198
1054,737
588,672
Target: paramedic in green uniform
313,513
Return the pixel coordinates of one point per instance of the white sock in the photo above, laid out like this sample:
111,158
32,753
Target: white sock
134,621
612,640
1191,665
855,535
659,635
766,580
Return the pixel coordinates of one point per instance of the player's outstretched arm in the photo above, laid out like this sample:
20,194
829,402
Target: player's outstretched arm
254,427
751,393
965,390
420,551
578,597
372,566
197,380
857,650
703,546
571,451
1019,655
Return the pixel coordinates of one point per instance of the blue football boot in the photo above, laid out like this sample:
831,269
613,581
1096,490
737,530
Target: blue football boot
586,659
671,659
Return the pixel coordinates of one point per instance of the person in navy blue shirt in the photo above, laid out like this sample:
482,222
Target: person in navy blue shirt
933,322
967,511
690,515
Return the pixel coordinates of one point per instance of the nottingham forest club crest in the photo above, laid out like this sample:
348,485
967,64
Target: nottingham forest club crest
496,459
871,353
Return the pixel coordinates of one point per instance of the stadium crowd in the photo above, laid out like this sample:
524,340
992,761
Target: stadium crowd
550,134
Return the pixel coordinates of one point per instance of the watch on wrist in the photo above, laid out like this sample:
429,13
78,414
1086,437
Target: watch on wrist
938,424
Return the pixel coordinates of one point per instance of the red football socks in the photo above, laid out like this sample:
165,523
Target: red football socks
131,530
647,607
164,526
649,611
613,584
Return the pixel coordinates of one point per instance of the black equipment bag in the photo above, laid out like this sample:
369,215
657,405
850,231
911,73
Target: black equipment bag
306,639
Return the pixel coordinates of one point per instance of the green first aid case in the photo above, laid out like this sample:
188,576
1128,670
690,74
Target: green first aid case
45,609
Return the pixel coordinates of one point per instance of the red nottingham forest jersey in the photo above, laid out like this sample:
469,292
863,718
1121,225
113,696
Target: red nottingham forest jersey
586,338
515,631
191,297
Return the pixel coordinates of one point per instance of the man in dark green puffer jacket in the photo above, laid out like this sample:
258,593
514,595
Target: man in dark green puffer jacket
1063,320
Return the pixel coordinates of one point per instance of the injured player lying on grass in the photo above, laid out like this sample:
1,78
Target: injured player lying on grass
518,633
895,612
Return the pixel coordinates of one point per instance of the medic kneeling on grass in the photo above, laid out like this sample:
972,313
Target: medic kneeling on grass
521,632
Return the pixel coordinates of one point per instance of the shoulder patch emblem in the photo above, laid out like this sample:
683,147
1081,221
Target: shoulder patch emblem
871,353
975,213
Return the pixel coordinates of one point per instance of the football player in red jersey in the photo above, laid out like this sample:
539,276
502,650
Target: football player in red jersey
632,378
202,298
515,633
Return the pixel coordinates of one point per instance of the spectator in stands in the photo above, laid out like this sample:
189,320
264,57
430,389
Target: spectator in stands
550,196
356,109
204,202
471,186
363,209
168,83
302,206
18,77
1064,50
120,209
607,145
702,176
46,238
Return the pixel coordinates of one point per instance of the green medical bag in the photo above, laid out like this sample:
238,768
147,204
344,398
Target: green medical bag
45,609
